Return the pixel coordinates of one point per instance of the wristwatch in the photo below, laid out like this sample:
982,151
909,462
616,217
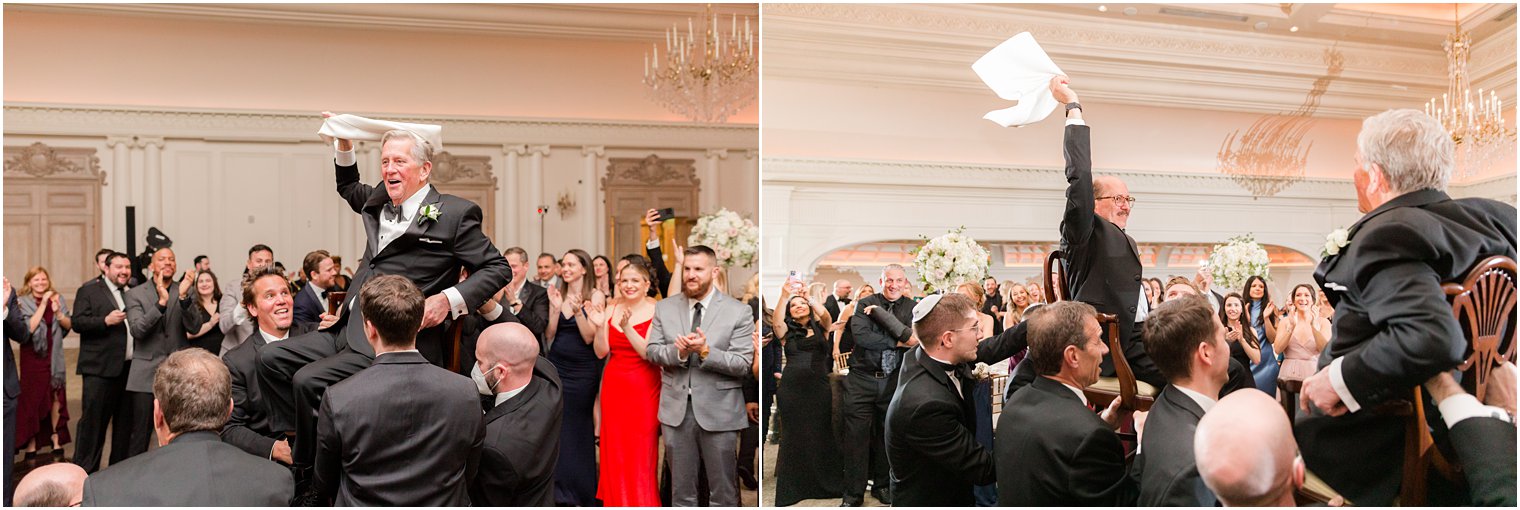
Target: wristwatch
1072,106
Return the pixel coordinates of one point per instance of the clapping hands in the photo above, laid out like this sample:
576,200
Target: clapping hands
691,343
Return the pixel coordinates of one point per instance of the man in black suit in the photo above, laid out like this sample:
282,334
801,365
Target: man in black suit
1393,326
153,321
191,467
1102,262
1051,450
839,299
529,304
267,296
521,445
1245,452
882,334
105,359
1186,340
402,432
236,324
311,301
655,254
412,230
931,423
14,330
1483,436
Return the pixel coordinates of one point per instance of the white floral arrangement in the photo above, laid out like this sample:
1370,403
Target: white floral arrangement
950,260
1237,260
1336,240
735,239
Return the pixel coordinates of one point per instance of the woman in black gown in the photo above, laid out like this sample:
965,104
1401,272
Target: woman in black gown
807,463
576,305
201,321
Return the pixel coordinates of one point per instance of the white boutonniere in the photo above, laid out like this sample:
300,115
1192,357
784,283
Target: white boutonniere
1337,239
428,212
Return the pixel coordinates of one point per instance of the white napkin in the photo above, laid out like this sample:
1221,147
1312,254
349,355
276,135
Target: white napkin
1019,70
354,127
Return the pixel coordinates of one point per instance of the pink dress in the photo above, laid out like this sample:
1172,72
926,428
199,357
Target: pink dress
1301,357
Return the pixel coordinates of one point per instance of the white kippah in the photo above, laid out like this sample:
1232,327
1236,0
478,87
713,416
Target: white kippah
923,308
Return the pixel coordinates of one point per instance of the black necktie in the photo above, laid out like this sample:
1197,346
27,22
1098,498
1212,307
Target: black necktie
696,318
391,212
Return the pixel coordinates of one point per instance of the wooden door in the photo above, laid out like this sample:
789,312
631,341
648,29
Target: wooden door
633,186
52,214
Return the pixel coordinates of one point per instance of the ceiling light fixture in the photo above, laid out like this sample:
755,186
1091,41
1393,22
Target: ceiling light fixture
1476,123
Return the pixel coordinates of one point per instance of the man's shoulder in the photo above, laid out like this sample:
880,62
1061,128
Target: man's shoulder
90,286
241,357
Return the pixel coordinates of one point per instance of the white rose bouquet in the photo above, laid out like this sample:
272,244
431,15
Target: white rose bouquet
736,240
950,260
1237,260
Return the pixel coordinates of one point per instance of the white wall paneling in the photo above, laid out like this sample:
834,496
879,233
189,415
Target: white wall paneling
217,181
815,206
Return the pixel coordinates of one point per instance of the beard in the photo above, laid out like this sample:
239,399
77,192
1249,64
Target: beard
697,293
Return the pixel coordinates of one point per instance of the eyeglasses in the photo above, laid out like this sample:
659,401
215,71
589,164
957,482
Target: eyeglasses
1120,199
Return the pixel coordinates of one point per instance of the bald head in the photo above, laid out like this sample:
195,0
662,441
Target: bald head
510,344
55,485
1246,453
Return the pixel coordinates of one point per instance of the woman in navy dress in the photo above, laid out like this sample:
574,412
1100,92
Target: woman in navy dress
572,332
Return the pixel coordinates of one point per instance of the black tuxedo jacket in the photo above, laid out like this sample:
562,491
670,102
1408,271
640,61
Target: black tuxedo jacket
249,428
193,470
534,314
1054,451
430,253
1394,328
661,275
15,330
399,433
1168,471
309,306
1102,262
833,305
521,447
931,436
1486,449
102,348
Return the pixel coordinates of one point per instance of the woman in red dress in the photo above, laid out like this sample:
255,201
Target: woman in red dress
630,395
42,367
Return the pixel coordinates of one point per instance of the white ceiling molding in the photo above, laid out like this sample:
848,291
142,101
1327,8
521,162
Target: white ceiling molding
640,22
29,119
1134,63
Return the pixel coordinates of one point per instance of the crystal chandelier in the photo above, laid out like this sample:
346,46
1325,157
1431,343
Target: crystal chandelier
1269,156
705,77
1476,123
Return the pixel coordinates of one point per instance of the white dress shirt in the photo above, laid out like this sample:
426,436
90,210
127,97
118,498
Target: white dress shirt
391,229
269,339
507,395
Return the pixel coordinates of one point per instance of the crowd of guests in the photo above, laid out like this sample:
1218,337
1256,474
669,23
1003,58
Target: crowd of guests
1221,368
337,389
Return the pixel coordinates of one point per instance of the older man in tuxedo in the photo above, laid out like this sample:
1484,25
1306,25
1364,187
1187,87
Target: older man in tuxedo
931,428
521,446
153,320
1102,261
1051,450
105,360
1187,342
191,468
412,231
701,340
1393,326
266,294
402,432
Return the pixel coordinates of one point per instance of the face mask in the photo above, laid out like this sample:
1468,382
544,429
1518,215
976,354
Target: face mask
480,381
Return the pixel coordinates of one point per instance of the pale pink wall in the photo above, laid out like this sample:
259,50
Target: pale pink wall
817,120
143,61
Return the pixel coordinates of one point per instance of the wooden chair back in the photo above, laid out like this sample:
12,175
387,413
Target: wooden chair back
1128,392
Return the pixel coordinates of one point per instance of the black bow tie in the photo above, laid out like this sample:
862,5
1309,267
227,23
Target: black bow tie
324,293
391,212
844,301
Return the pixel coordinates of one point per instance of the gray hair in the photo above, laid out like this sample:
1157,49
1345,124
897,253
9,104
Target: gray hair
194,391
422,150
892,267
1413,149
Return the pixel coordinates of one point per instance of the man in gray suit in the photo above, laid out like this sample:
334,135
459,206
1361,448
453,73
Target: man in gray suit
192,466
701,340
153,315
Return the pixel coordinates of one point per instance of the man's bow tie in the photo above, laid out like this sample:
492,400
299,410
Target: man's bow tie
391,212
